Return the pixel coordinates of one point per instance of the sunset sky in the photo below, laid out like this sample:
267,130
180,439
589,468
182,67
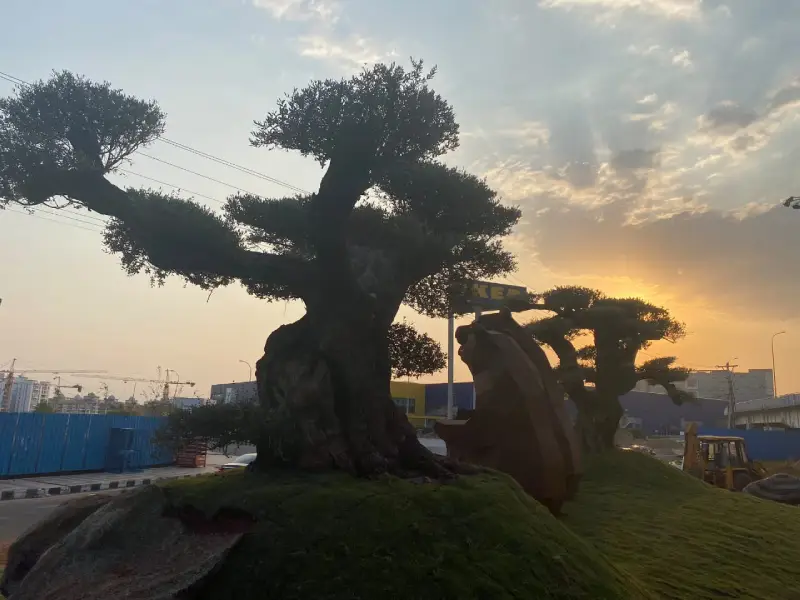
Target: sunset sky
649,143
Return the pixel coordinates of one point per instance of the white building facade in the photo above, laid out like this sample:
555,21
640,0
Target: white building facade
753,384
769,413
26,394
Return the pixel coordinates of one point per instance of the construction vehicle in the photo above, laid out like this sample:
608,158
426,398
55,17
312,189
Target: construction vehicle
721,461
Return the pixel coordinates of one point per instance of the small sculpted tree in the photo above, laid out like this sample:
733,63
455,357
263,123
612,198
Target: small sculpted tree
388,225
597,374
413,354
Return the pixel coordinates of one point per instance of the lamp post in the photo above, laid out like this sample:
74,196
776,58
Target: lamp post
774,376
249,367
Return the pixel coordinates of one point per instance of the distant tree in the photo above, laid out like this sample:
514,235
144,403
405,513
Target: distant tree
597,374
792,202
388,225
218,425
156,408
44,407
412,353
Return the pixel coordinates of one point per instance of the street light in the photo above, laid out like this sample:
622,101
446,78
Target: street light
774,376
249,367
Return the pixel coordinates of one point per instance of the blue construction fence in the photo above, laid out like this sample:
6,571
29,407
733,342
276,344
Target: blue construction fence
39,443
763,445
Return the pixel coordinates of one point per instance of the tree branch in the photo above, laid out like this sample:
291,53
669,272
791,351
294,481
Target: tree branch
161,234
554,332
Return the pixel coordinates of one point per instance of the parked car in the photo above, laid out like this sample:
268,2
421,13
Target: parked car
240,462
639,448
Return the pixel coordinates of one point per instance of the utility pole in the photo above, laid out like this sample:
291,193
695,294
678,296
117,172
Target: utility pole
728,368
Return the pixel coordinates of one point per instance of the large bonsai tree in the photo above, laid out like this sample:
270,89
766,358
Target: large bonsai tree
388,225
595,375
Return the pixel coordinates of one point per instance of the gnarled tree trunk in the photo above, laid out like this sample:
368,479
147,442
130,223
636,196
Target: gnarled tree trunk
597,421
324,385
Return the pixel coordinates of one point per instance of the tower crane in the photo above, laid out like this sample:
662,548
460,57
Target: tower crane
9,382
57,378
165,382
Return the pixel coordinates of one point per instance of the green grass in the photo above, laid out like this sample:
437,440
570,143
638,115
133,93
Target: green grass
336,537
683,537
639,530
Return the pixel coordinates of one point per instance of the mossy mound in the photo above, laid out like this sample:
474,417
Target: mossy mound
686,539
335,537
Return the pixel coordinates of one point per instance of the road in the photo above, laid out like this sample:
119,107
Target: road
16,516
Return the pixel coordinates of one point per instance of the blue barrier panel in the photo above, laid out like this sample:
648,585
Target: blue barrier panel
51,448
8,424
33,443
763,445
94,452
77,428
27,440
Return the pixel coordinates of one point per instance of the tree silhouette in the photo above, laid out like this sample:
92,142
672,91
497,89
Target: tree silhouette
389,224
597,374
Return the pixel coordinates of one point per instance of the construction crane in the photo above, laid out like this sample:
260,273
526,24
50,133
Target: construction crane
9,383
57,378
165,382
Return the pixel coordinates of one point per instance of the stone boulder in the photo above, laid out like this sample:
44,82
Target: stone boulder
520,425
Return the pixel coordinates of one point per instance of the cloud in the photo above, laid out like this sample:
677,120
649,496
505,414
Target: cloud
727,118
739,130
348,54
679,57
739,261
670,9
300,10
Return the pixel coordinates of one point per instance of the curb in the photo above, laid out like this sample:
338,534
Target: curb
65,490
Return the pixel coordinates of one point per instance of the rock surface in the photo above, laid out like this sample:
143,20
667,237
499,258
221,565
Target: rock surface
129,547
520,424
781,488
31,545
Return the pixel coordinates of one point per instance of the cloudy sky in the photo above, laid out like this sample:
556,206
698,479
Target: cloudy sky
648,142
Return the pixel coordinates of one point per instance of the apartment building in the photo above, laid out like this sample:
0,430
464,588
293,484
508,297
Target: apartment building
26,394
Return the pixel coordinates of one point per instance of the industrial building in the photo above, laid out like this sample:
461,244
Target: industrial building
225,393
782,412
424,404
752,384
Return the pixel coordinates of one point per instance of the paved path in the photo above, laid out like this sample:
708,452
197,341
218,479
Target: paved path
16,516
60,485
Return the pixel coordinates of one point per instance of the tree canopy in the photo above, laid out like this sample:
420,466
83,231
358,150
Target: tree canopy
600,371
412,353
412,224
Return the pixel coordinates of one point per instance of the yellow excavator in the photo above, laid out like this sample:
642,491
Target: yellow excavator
721,461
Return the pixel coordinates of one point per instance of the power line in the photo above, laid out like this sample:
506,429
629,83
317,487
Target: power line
12,79
77,220
172,185
161,160
233,165
38,216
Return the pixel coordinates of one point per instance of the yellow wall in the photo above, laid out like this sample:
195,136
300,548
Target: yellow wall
407,389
